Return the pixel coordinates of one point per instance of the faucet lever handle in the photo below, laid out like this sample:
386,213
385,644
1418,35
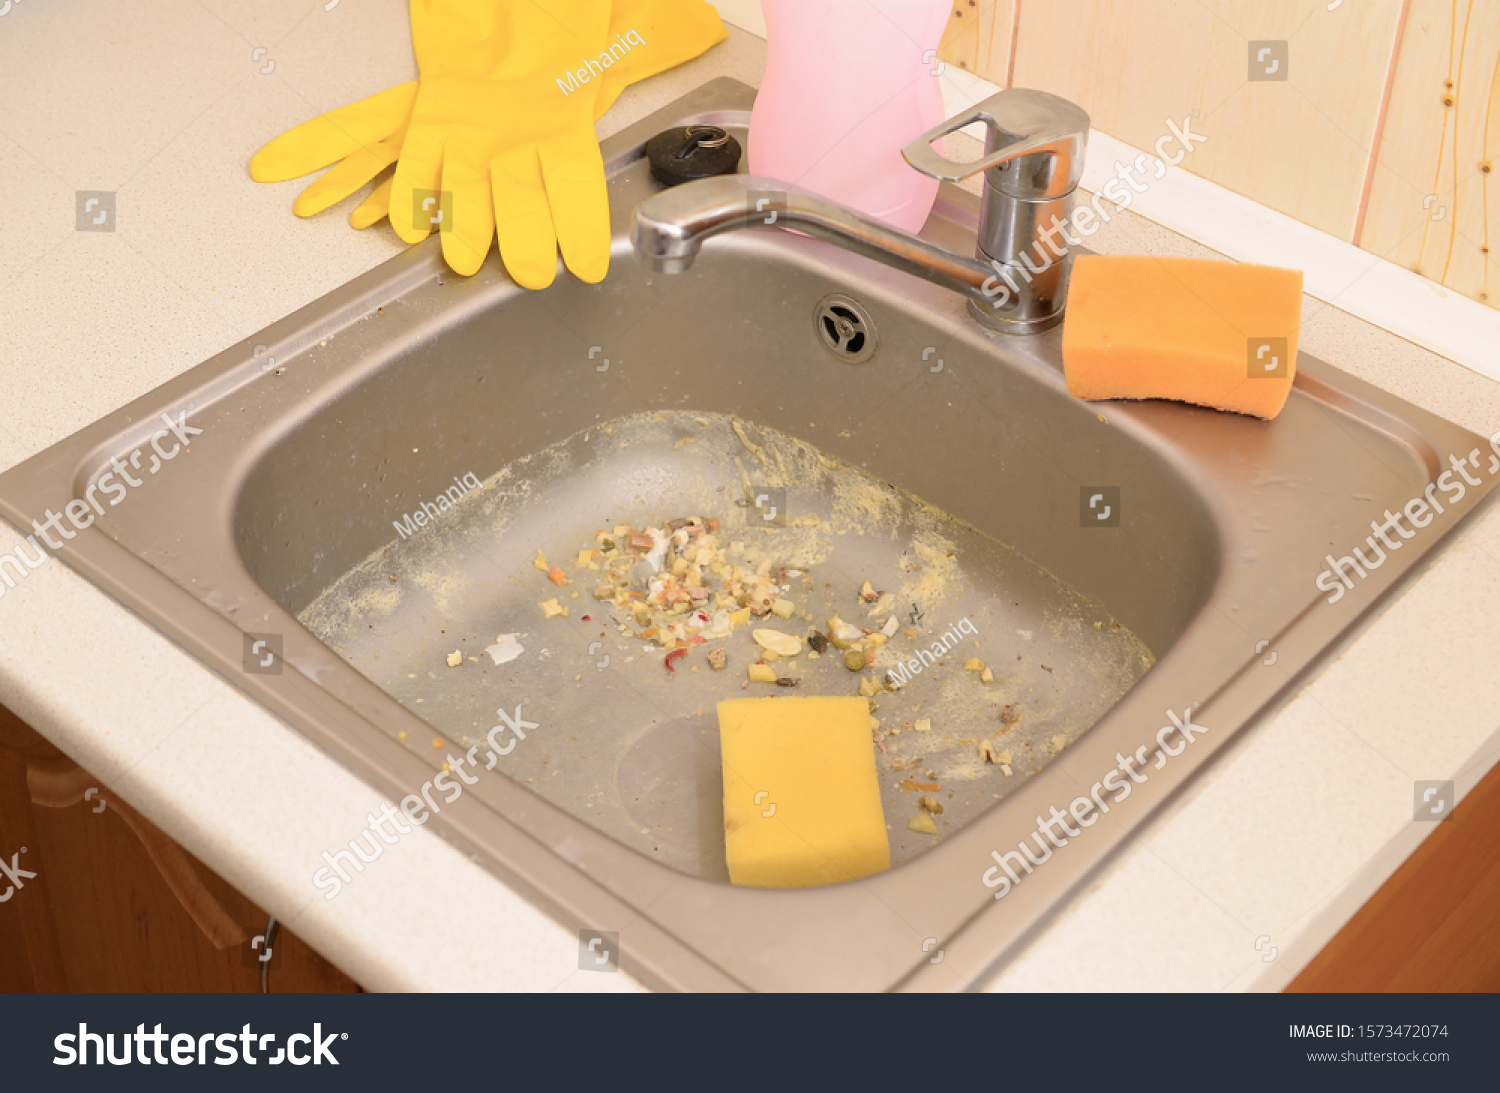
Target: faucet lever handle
1020,123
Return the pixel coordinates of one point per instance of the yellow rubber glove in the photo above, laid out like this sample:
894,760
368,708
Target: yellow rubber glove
494,129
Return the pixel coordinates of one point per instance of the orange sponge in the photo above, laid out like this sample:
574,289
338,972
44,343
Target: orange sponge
1213,333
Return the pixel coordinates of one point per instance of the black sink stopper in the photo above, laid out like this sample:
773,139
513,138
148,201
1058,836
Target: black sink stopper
692,152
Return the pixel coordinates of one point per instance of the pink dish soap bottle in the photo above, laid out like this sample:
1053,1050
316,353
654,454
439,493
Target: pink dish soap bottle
847,83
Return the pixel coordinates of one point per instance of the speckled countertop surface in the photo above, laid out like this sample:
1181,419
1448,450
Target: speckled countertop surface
1284,837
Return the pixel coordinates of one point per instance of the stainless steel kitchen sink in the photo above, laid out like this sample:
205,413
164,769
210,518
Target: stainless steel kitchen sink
916,444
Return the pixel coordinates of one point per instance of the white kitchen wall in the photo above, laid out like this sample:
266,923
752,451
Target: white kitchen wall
744,14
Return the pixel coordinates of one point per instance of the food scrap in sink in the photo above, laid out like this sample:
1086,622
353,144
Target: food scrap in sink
679,586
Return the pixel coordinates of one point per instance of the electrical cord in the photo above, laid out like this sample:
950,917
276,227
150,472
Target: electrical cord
265,963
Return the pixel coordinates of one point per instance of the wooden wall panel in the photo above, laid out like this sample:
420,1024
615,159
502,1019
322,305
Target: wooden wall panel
1433,207
1300,145
978,38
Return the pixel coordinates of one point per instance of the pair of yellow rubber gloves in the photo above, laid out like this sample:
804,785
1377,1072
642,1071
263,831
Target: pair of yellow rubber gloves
496,136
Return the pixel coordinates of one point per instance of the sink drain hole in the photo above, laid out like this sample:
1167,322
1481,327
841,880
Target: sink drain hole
846,329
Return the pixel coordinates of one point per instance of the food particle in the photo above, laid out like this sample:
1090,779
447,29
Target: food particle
923,725
922,824
817,641
437,741
774,640
541,562
1059,742
401,735
787,681
1009,715
557,576
854,660
455,658
868,687
973,664
867,593
783,609
987,752
930,804
675,654
761,673
552,609
717,658
907,783
986,676
842,634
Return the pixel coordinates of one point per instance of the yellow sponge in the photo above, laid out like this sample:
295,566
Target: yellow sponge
801,794
1213,333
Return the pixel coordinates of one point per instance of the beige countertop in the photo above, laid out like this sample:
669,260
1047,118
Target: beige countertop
1283,838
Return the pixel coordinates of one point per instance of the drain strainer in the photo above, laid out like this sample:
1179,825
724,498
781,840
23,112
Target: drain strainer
846,328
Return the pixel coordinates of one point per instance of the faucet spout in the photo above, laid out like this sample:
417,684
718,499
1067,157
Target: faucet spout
1018,281
669,230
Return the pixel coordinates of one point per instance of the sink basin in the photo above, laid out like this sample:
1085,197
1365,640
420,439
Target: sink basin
1140,578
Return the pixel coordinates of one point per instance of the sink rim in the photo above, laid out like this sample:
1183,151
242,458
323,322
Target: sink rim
980,941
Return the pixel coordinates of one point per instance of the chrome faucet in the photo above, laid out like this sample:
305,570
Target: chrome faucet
1032,162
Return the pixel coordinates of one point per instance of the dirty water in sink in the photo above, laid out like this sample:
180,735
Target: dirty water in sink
631,747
